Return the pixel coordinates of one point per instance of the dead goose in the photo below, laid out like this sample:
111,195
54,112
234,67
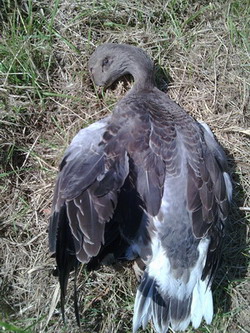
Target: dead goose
150,182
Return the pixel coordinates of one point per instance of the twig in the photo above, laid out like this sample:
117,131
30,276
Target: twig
246,209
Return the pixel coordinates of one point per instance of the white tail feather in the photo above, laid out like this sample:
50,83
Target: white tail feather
202,304
184,300
146,314
229,186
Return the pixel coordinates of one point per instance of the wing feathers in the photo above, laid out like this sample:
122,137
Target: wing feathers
207,198
80,174
150,185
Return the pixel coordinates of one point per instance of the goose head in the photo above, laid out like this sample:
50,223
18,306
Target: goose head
110,61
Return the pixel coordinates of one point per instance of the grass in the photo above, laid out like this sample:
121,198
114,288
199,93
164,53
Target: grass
46,96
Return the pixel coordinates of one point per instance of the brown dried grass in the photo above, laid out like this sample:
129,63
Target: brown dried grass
206,57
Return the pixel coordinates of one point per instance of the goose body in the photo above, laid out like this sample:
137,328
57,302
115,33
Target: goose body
146,182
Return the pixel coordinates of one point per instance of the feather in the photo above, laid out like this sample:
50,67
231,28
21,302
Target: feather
72,182
65,258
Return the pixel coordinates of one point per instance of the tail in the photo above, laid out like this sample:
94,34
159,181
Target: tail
167,308
61,242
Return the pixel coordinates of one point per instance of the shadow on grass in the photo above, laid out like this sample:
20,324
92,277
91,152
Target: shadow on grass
234,263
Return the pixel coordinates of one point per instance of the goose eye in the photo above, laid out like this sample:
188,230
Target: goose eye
105,62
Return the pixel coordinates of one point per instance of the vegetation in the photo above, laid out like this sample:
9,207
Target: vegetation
46,96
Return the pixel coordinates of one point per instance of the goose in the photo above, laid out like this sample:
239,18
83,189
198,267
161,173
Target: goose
146,183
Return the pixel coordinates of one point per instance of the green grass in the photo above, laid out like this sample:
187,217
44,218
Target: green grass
21,62
46,96
12,328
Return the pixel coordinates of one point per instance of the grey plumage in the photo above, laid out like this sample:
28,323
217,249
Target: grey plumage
151,178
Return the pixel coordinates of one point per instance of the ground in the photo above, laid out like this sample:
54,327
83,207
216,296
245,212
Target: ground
202,52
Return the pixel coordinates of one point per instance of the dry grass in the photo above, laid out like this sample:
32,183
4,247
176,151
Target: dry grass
46,96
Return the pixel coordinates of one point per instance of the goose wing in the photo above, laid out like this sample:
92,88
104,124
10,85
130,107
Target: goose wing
85,198
208,187
184,144
209,192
